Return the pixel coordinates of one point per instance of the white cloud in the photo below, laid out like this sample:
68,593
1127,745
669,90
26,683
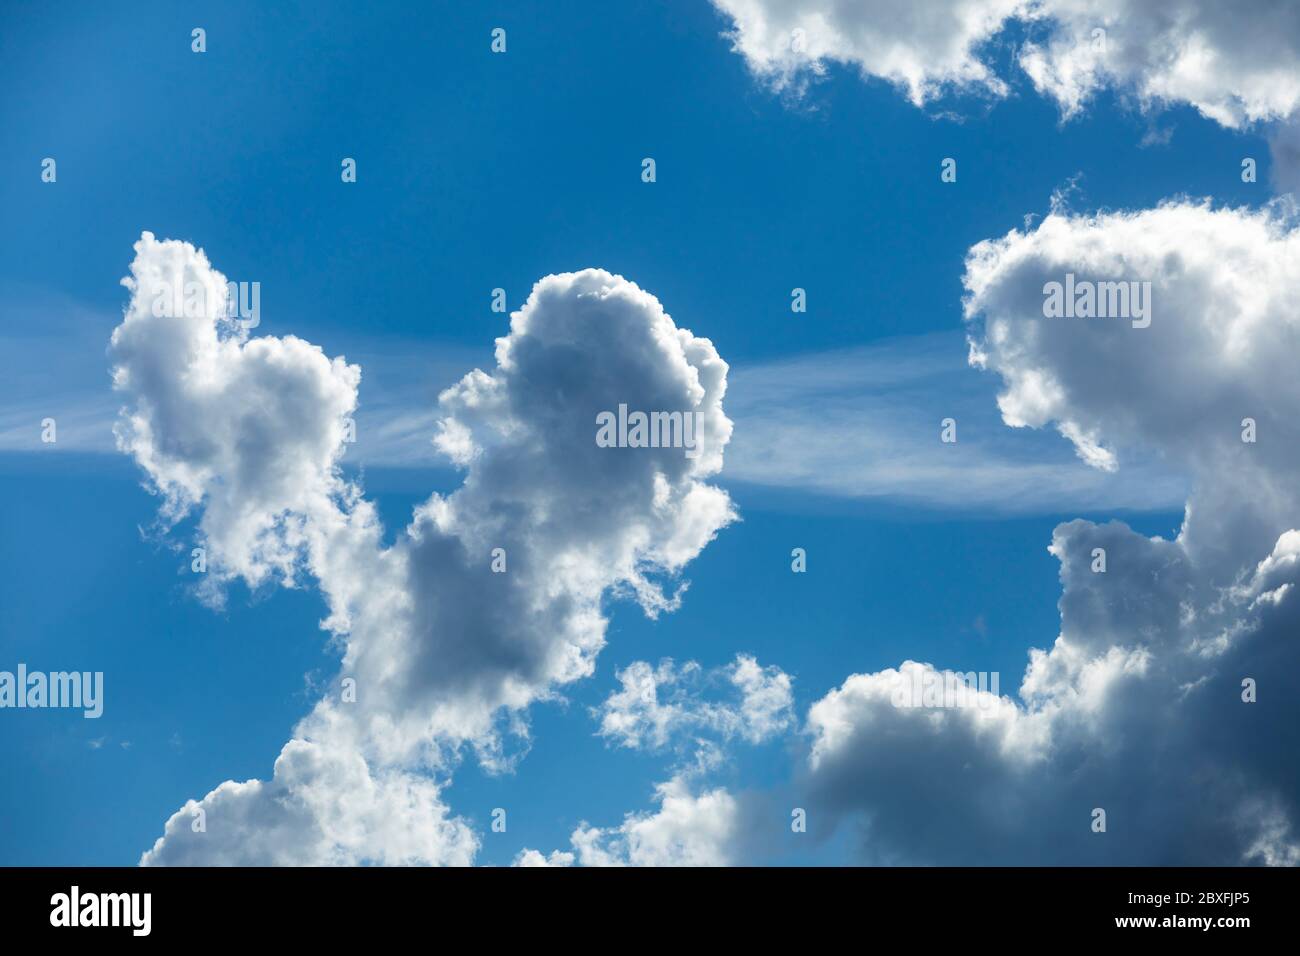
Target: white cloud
655,708
1137,706
921,47
636,716
1220,348
252,428
688,829
865,423
865,701
444,652
1235,63
533,858
323,807
765,699
657,704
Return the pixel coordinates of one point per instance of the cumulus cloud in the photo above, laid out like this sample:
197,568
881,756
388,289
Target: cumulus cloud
641,713
1136,709
252,428
671,704
324,806
657,703
1138,706
535,859
1222,341
765,699
688,829
658,707
921,47
440,651
1235,63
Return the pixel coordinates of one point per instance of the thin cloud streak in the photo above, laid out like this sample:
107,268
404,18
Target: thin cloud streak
860,423
865,423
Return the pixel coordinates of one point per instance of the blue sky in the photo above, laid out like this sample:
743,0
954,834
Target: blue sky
478,171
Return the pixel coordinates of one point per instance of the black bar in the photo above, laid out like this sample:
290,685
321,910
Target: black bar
333,906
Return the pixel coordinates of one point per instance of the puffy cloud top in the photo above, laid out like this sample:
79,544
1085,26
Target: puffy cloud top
489,600
1220,348
1235,63
1150,703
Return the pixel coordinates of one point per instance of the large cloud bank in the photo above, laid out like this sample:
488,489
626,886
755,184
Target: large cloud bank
440,651
1137,708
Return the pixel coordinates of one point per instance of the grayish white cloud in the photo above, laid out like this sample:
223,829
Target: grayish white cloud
1136,708
656,704
1236,63
659,707
688,829
1284,145
444,652
921,47
1220,348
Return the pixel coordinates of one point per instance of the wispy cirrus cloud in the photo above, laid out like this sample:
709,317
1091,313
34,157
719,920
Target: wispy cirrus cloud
865,423
854,424
52,366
